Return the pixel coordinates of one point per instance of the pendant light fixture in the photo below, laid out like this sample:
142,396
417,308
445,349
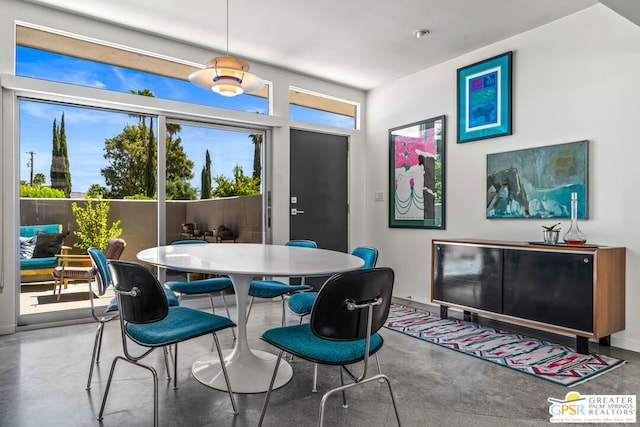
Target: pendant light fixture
226,75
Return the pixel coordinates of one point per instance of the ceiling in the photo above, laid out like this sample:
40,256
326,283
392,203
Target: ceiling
359,43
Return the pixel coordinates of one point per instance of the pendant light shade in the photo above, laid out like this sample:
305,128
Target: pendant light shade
226,75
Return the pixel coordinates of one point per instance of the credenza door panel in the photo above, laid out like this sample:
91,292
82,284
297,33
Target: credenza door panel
470,276
549,287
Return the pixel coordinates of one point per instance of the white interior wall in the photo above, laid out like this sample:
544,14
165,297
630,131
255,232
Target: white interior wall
14,10
573,79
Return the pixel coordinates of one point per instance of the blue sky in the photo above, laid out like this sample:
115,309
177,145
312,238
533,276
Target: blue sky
86,129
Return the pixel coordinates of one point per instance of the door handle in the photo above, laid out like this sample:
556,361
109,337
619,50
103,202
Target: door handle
295,211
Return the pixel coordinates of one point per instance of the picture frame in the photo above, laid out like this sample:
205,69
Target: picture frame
417,174
485,99
538,182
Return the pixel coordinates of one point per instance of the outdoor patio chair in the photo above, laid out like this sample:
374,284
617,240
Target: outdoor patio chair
73,267
147,320
275,288
350,309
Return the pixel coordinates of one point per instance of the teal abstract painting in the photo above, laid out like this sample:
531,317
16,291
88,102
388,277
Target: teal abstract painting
538,182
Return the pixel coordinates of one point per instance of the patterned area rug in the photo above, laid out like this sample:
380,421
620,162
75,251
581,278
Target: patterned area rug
542,359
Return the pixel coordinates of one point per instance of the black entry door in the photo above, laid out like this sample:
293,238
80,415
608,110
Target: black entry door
319,198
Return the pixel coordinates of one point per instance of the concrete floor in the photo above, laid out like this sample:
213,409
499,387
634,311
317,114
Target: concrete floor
43,374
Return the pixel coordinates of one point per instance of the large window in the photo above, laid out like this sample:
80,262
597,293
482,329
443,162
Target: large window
49,56
311,107
204,162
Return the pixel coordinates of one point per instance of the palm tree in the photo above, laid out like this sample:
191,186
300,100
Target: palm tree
256,138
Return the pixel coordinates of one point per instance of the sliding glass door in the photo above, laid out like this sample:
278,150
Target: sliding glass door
97,172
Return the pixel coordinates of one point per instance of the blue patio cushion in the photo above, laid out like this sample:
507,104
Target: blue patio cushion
172,299
36,263
203,286
301,303
273,288
180,324
302,342
32,230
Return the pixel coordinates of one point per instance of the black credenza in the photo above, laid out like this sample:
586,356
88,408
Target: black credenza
577,290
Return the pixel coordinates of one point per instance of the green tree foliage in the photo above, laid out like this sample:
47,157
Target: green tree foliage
131,157
126,157
205,178
60,174
138,197
148,142
178,167
96,191
28,191
180,190
93,227
150,164
256,138
39,180
241,185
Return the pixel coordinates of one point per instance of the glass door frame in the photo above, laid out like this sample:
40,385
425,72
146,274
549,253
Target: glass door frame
15,88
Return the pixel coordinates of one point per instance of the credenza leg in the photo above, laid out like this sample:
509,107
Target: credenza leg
467,316
605,341
444,312
582,345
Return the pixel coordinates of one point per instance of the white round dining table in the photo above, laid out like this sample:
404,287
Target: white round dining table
249,370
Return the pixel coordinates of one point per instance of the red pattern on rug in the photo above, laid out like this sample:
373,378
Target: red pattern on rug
542,359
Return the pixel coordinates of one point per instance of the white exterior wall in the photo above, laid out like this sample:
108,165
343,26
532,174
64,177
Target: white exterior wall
574,79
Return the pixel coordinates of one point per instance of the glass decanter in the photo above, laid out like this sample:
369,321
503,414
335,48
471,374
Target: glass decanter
573,236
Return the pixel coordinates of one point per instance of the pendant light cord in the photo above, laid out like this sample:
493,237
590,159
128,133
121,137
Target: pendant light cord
227,27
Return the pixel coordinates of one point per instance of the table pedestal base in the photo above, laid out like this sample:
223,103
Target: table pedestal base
250,372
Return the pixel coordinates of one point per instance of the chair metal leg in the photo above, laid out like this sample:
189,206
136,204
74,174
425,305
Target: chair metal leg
273,380
379,368
175,367
165,350
315,378
249,309
344,387
97,344
106,391
226,375
344,395
155,388
226,308
283,311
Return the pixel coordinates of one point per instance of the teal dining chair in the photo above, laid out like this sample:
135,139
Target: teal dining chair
343,330
147,320
301,303
275,288
209,286
103,281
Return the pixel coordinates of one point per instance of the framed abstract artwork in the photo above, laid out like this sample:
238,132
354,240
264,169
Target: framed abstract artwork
484,99
538,182
416,174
